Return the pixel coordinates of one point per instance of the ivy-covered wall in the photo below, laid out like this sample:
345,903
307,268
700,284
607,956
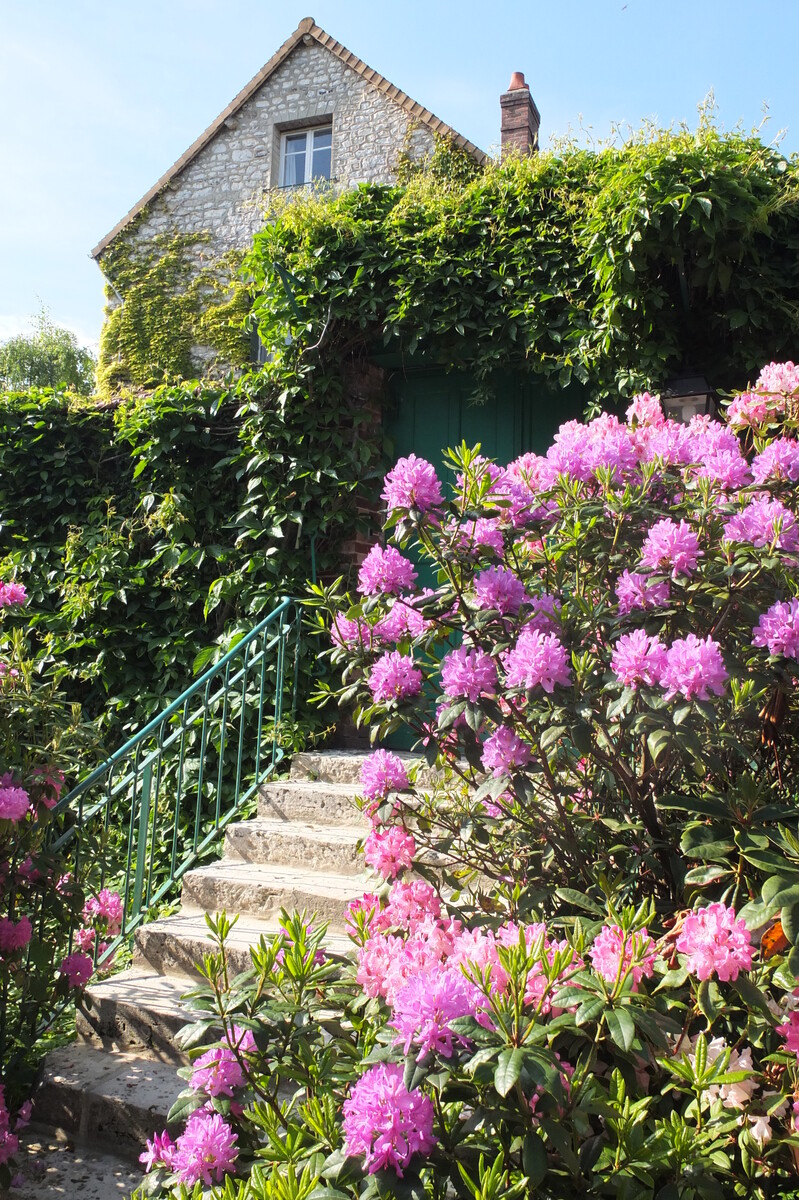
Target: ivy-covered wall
172,308
146,531
616,267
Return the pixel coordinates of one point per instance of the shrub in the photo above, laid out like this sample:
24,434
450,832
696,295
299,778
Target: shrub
45,894
588,985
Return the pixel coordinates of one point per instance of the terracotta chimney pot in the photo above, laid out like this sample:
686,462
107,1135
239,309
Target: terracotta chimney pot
517,81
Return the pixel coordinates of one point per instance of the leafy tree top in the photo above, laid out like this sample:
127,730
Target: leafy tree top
49,357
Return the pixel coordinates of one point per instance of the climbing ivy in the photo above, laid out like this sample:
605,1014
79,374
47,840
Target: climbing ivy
151,529
166,297
616,266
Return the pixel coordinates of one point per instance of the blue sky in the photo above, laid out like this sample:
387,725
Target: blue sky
98,98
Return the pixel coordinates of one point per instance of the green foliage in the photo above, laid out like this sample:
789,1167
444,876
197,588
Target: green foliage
167,297
616,267
49,357
147,530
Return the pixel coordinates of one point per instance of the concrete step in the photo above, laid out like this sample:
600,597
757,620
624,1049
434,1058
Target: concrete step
106,1096
297,843
174,945
303,800
262,891
137,1011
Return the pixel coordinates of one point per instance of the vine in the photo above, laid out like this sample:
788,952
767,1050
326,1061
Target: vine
618,266
168,306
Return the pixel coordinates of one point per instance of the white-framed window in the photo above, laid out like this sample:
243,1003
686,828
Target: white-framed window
306,155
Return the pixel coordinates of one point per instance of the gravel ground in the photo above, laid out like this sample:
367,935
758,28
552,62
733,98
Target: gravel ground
52,1168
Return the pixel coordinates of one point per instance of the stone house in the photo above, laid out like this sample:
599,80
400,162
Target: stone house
314,114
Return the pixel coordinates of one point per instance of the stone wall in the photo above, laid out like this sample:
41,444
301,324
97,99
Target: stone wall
222,190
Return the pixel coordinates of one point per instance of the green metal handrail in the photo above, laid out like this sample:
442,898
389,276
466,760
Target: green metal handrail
149,813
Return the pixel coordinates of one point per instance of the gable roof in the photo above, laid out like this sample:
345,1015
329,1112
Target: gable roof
306,28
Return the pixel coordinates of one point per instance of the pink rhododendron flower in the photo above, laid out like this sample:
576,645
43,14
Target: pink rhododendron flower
206,1150
790,1031
779,377
694,668
424,1007
384,1123
726,467
671,547
537,659
77,969
9,1142
159,1153
394,677
503,751
613,953
412,483
546,613
779,460
635,591
715,942
382,772
14,935
12,594
219,1072
84,939
478,948
469,673
390,851
484,533
385,571
409,905
645,410
638,659
403,619
778,629
764,523
14,803
344,632
498,588
106,908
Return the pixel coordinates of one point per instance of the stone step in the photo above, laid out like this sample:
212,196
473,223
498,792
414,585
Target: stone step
328,803
137,1011
297,843
262,891
329,766
106,1096
174,945
344,767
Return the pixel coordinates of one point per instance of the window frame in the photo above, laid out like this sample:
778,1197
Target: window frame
309,131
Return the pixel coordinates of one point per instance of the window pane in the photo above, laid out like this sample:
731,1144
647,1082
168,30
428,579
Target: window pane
294,159
321,163
322,138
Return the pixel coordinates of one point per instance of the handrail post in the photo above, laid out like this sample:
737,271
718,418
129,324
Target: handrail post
141,845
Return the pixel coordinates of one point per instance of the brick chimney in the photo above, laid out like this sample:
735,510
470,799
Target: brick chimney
520,118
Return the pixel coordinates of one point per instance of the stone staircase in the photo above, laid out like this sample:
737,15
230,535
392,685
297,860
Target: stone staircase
116,1083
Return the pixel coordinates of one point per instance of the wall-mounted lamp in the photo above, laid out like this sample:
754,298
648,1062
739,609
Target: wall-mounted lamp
688,396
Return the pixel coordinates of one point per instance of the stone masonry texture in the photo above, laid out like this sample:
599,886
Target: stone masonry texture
222,191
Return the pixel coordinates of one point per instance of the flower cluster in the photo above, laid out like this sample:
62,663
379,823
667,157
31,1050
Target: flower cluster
205,1152
384,1123
715,942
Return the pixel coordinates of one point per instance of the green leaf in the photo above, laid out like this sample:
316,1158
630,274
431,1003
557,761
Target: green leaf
509,1066
621,1027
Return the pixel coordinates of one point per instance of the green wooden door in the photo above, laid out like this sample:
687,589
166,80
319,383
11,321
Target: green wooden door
430,411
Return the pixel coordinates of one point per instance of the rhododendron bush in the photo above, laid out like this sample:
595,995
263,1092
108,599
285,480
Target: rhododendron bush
576,973
44,895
